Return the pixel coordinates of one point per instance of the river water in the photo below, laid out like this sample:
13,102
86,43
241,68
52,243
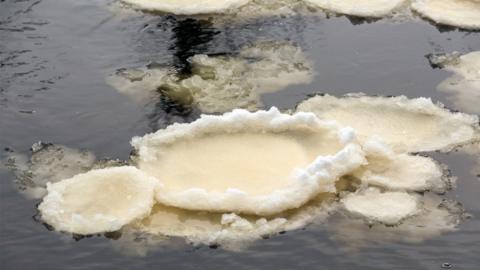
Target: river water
55,56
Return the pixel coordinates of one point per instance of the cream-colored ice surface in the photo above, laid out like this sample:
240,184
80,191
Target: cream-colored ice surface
221,83
47,163
459,13
464,85
362,8
389,208
187,7
98,201
435,218
231,231
260,163
400,171
405,125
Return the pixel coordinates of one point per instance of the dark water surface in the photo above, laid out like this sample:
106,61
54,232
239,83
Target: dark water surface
55,55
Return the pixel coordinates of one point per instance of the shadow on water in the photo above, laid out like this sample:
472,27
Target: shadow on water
190,37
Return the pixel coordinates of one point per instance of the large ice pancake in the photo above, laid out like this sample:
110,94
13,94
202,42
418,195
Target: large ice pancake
459,13
362,8
406,125
187,7
464,85
98,201
259,163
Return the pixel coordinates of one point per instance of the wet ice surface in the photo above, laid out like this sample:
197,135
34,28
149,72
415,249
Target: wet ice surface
52,88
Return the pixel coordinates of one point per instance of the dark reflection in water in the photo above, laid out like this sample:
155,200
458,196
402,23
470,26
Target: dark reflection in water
191,37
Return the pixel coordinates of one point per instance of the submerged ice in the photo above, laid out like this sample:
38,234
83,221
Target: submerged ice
220,84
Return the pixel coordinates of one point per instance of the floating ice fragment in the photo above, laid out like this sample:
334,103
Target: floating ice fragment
221,83
361,8
260,163
464,85
435,217
389,208
405,125
460,13
98,201
187,7
48,163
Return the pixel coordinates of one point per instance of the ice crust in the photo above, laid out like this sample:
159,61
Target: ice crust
405,125
187,7
221,83
318,174
98,201
464,84
361,8
460,13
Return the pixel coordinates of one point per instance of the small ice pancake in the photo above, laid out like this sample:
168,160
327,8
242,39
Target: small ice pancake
389,208
400,171
187,7
460,13
361,8
98,201
406,125
259,163
464,85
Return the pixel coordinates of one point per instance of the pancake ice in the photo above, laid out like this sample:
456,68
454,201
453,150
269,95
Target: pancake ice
98,201
405,125
361,8
459,13
259,163
187,7
401,171
464,85
388,208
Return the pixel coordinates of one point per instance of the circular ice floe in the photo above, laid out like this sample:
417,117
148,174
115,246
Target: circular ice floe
459,13
464,85
187,7
406,125
98,201
389,208
361,8
260,163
